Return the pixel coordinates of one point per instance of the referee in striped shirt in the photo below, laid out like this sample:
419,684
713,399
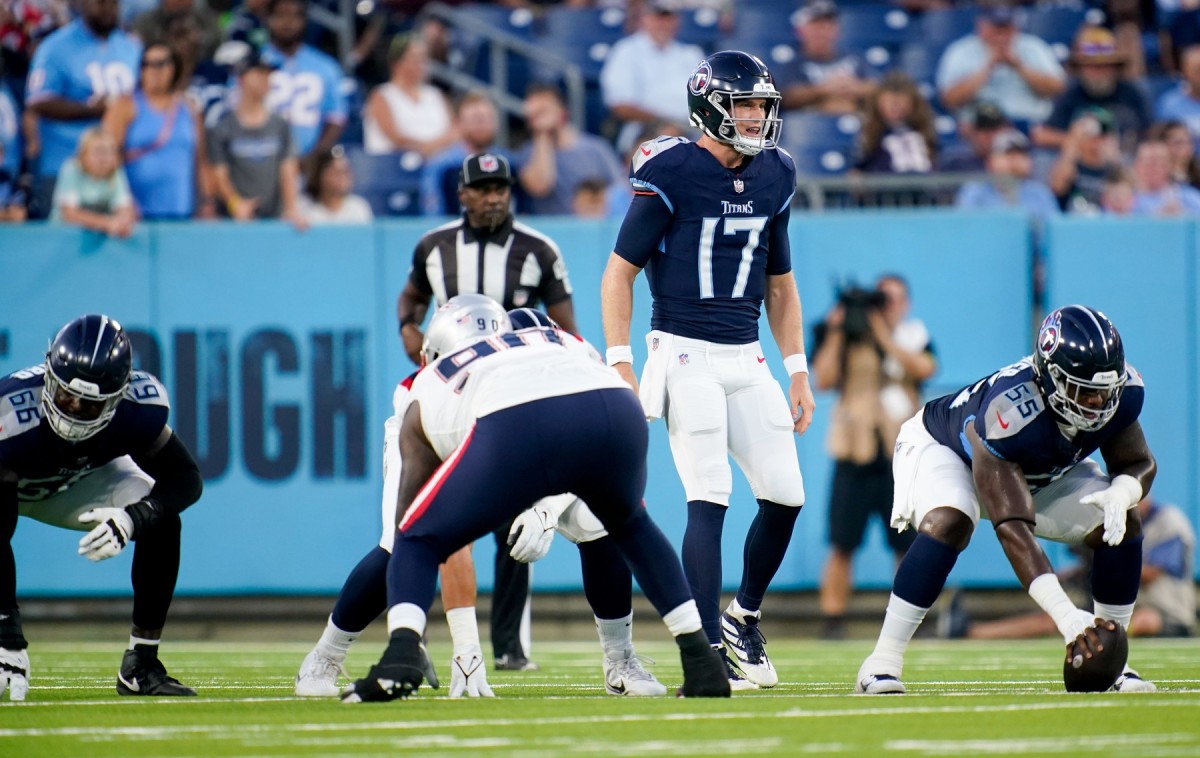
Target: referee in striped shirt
487,251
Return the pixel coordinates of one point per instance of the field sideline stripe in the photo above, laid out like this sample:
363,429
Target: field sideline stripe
170,731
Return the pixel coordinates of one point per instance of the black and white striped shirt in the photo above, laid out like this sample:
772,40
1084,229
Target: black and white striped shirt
515,265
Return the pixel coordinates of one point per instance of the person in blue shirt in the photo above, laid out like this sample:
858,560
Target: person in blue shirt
75,73
1012,185
1014,448
305,89
1182,102
10,131
477,123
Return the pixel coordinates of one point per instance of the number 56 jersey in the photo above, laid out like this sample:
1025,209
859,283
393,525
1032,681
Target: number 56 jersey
708,236
1008,411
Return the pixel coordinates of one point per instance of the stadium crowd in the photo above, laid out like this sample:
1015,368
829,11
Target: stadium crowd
112,111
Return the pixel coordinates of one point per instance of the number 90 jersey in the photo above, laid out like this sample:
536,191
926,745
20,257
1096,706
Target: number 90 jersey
1009,413
708,236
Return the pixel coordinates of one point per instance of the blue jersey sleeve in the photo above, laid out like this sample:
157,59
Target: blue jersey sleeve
643,229
334,107
48,76
779,246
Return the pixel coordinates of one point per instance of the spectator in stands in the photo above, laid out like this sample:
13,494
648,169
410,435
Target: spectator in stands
249,23
10,130
1156,194
254,168
307,85
1097,66
591,199
1182,102
821,77
12,194
161,139
92,191
1018,72
476,122
151,26
75,72
23,23
640,78
205,81
1088,154
1118,196
897,134
982,122
1012,184
1185,167
328,195
407,112
558,157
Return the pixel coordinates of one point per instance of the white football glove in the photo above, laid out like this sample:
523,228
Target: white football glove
1115,500
532,532
468,675
14,673
1075,624
110,537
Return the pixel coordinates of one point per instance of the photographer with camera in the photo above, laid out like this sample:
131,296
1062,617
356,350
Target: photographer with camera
876,357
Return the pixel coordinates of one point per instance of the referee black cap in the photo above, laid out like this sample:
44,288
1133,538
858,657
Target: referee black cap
485,167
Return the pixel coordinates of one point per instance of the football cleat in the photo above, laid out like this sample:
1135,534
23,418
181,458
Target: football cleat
879,684
627,676
737,682
142,673
1129,681
14,673
704,673
399,673
745,641
514,662
318,676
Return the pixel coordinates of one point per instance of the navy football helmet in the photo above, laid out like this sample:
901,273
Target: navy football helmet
717,84
87,371
461,320
1079,353
530,318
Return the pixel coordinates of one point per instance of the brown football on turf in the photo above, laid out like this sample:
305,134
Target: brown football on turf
1098,673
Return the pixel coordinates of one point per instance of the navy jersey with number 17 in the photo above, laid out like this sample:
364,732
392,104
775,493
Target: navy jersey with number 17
708,236
1010,415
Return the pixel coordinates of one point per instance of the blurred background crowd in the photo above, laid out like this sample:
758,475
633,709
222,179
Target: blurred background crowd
340,111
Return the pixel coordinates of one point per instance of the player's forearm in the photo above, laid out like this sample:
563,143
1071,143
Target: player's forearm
785,315
176,475
616,300
1022,550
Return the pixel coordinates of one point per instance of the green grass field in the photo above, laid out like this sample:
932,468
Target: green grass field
964,698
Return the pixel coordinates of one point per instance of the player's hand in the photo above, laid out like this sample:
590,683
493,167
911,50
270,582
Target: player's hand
802,403
626,372
1087,643
1076,625
14,673
531,534
468,675
1115,502
110,537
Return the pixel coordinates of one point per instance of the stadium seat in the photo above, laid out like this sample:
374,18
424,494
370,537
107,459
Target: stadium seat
807,130
582,26
699,27
937,29
866,25
919,61
1055,24
390,183
821,161
765,32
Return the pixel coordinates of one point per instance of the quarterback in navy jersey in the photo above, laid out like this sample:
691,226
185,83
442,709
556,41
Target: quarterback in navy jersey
708,223
1013,448
84,444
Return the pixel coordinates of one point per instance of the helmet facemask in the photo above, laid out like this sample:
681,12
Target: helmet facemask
96,408
728,132
1065,399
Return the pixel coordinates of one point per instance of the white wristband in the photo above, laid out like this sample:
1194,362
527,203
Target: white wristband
618,354
796,364
1048,593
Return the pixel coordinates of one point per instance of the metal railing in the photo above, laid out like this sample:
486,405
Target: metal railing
881,191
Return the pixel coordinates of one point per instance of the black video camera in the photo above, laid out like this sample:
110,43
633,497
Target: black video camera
857,303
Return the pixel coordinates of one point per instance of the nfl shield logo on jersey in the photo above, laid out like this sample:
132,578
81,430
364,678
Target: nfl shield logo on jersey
653,344
738,186
683,359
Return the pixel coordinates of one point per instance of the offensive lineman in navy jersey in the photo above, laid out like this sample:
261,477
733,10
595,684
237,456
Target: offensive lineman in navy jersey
709,223
84,444
1013,448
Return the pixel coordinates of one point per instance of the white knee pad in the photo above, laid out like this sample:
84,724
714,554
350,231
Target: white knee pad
578,524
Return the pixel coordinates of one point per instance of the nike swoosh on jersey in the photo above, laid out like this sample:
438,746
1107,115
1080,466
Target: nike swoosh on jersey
1001,420
762,359
645,151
